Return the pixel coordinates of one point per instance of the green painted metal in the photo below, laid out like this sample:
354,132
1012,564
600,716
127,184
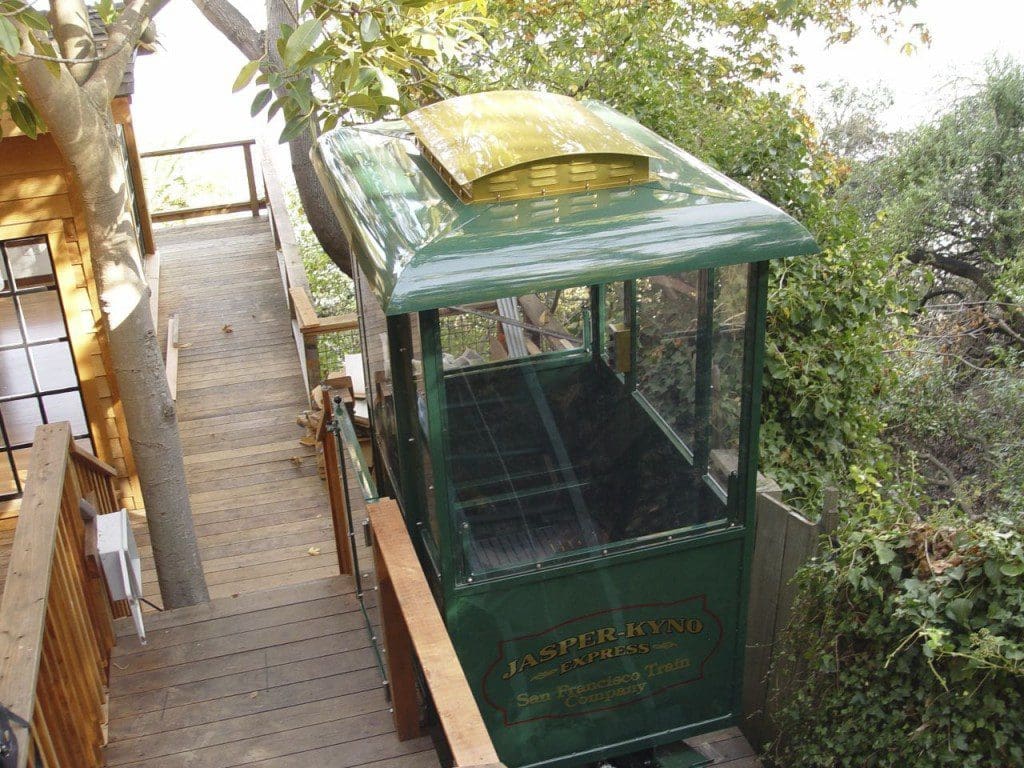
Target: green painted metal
420,247
705,362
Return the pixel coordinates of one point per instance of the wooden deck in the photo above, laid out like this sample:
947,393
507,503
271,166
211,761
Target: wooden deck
282,678
261,512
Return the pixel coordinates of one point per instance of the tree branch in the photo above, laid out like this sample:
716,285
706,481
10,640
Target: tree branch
956,267
73,33
231,23
124,34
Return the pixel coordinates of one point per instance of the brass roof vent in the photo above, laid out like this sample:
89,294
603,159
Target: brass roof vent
513,145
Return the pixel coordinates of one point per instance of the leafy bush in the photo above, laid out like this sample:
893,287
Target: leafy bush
912,638
961,427
332,290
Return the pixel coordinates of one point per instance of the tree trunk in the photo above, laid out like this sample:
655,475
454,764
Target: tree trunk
252,44
82,126
317,208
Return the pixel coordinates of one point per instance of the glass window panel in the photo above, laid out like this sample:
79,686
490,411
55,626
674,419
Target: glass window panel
42,314
22,460
551,322
615,325
66,407
21,417
10,330
554,458
666,362
30,263
15,374
727,374
54,366
8,486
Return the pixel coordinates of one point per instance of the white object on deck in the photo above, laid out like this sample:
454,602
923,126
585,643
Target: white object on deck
119,557
354,369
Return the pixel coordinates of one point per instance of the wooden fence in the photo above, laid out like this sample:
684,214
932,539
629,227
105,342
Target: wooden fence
784,541
56,622
254,204
306,326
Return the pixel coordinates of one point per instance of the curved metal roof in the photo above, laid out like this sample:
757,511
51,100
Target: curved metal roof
421,247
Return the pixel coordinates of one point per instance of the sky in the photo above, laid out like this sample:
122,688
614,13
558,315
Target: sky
183,92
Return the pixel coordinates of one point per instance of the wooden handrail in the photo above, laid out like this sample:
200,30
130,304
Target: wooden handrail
293,273
56,626
412,626
310,324
198,148
254,204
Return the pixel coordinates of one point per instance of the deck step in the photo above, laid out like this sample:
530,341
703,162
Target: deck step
249,602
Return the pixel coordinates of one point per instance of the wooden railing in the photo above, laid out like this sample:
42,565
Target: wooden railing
306,326
254,204
56,624
415,633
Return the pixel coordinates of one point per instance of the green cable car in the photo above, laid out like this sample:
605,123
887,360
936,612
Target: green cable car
562,318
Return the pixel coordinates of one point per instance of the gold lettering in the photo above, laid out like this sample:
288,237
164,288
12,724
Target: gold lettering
511,670
634,630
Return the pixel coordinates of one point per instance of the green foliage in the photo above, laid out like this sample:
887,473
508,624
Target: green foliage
949,199
16,19
829,315
912,638
332,290
361,60
961,428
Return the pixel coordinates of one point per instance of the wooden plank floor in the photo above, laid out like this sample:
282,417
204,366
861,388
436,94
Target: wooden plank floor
284,678
259,507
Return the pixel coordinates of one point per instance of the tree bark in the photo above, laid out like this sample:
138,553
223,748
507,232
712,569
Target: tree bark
252,44
81,123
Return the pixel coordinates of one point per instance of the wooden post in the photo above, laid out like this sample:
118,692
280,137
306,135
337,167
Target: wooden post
413,624
337,493
250,175
398,654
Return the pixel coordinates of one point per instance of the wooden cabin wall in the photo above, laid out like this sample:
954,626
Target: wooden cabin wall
37,198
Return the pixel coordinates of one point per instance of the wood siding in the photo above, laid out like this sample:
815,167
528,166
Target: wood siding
37,198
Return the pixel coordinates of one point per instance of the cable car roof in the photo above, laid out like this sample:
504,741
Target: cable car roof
423,243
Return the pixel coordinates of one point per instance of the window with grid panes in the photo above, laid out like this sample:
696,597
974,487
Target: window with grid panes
38,379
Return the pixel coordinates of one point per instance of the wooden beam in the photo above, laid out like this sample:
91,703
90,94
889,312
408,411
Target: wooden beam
197,148
171,358
336,493
151,268
23,607
406,588
209,210
250,177
138,182
538,313
334,324
305,312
